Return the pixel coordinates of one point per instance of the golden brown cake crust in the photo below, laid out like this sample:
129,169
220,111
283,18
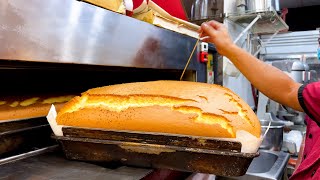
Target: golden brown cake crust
25,107
175,107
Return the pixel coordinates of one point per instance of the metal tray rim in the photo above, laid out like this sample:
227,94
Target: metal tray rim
186,149
21,119
153,133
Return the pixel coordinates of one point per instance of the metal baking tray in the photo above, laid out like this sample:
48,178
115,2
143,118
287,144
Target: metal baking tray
149,150
11,125
18,136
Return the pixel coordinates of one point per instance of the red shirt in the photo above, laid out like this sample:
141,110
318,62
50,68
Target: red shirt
173,7
309,98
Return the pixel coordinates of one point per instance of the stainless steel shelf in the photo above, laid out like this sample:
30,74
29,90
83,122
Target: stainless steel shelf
270,22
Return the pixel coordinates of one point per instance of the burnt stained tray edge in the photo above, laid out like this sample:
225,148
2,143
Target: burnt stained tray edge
152,156
153,138
174,148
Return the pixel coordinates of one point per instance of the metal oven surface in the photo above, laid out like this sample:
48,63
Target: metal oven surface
71,31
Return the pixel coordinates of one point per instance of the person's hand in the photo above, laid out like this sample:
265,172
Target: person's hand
218,35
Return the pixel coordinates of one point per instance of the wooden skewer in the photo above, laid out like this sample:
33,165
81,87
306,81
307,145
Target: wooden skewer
194,48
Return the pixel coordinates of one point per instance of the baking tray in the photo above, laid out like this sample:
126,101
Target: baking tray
23,135
10,125
153,138
142,150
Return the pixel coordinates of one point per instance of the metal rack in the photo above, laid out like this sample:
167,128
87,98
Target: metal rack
261,22
267,22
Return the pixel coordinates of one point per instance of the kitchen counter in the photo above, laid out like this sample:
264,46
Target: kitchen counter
270,165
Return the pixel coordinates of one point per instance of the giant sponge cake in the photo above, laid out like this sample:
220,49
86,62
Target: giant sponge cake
173,107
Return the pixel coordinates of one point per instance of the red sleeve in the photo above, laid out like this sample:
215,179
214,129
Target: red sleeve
309,98
173,7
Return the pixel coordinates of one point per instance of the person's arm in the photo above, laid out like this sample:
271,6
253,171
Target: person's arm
267,79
